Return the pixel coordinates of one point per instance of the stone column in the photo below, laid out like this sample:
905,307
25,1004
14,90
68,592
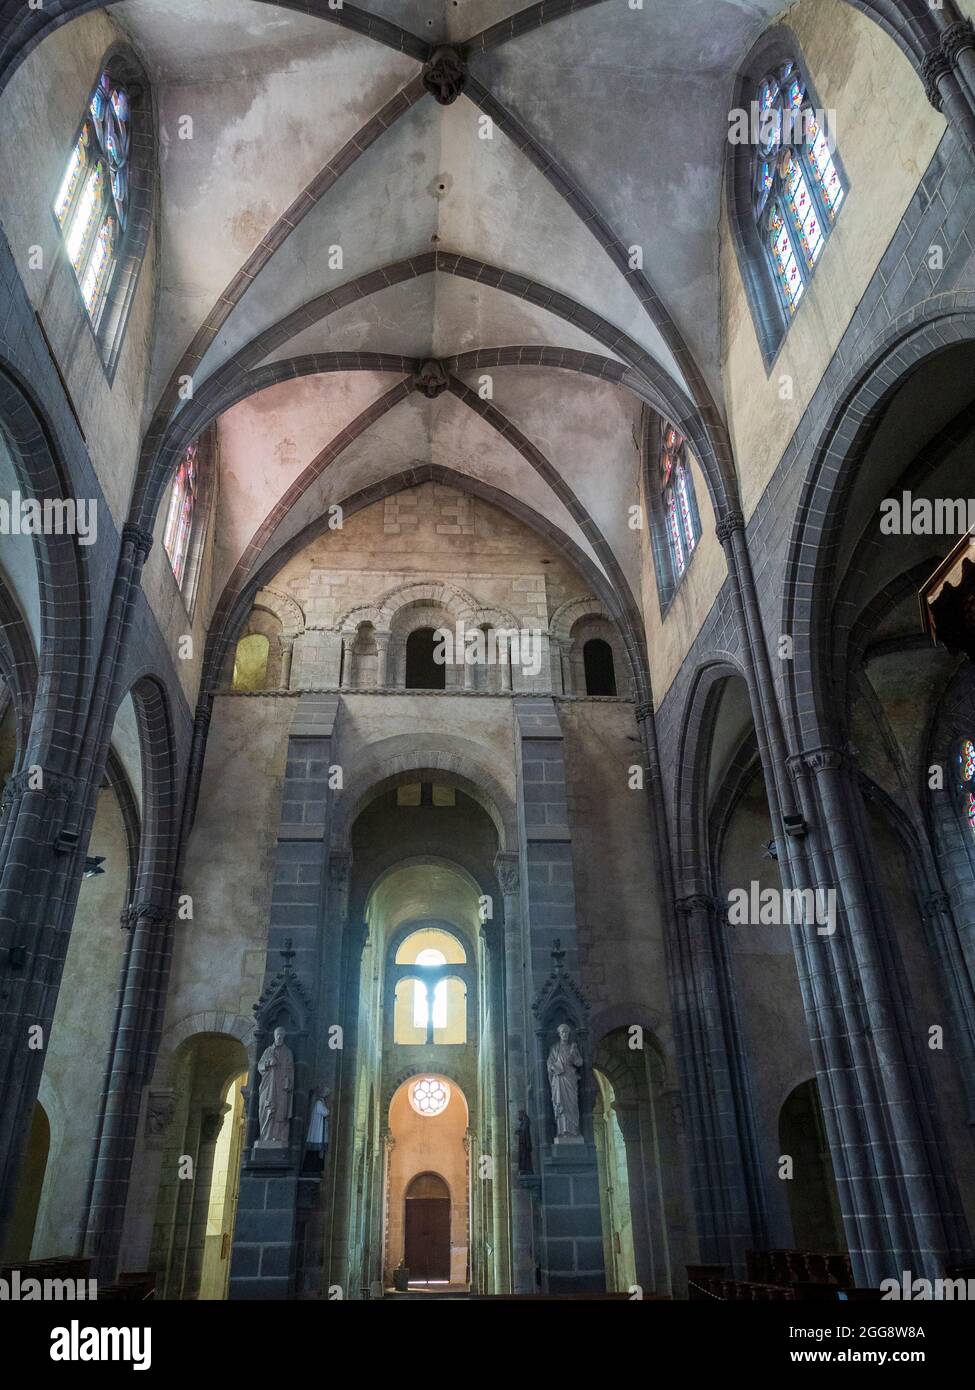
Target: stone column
725,1162
39,877
900,1204
264,1254
570,1251
382,658
504,666
142,992
287,653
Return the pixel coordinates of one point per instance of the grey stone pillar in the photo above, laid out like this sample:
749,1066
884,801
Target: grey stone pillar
898,1196
729,1194
287,654
517,1063
570,1250
142,992
36,902
264,1252
382,658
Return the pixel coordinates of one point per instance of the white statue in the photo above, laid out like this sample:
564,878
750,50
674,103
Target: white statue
276,1099
318,1122
564,1063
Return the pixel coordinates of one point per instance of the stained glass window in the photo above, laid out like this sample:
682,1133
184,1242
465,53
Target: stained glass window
429,1096
680,509
179,520
966,778
796,184
92,203
966,760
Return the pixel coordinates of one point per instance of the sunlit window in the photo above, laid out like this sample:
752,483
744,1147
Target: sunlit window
429,1096
679,504
421,993
179,520
92,203
797,186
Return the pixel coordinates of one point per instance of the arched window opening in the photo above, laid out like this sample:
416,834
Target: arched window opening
430,1009
430,1004
813,1200
787,186
679,505
92,204
250,662
365,658
182,505
424,939
597,657
797,186
423,671
422,1009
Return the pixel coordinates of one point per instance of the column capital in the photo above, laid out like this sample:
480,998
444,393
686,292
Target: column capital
956,38
340,868
825,758
211,1122
145,911
508,869
138,538
934,67
36,778
628,1115
699,902
731,521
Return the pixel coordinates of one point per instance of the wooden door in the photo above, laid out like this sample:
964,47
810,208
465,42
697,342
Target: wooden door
428,1229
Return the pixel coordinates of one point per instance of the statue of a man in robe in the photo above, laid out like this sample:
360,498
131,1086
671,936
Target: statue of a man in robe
564,1063
276,1098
